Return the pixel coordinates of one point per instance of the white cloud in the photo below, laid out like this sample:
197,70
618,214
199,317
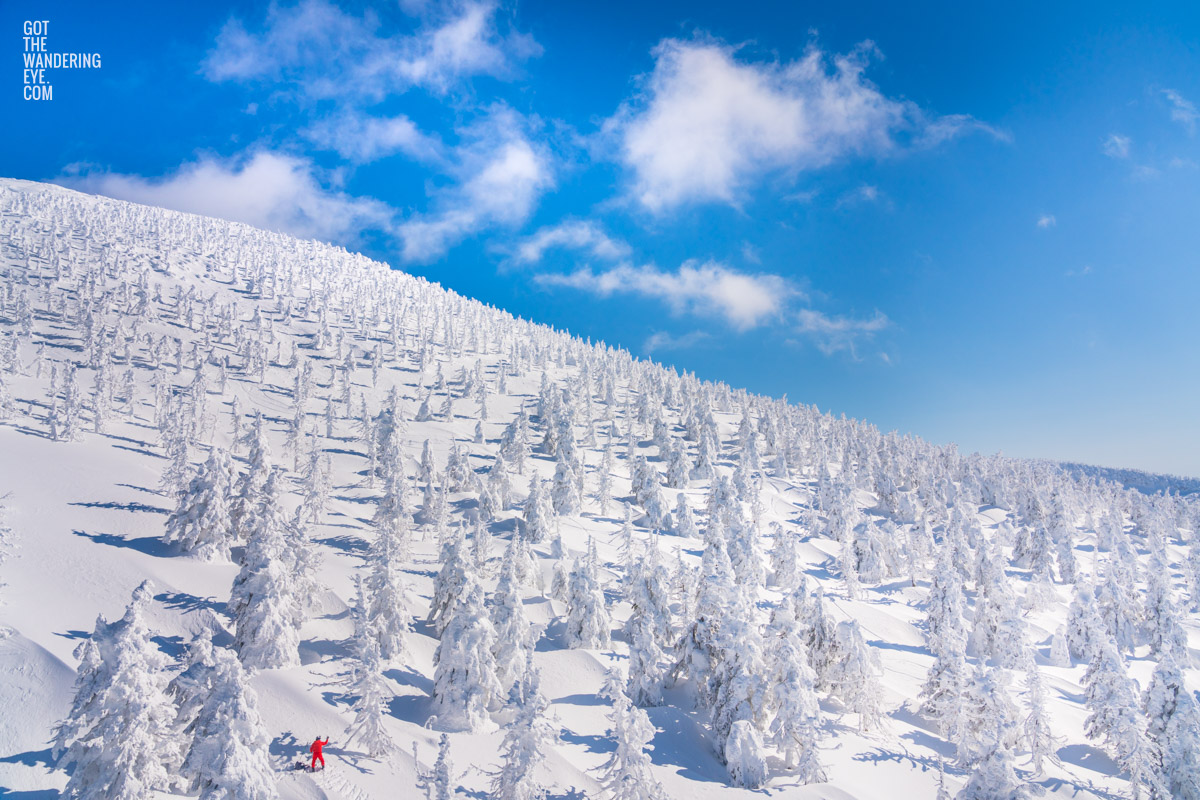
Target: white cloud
580,235
268,190
835,333
862,195
501,175
361,138
1116,146
661,340
1183,110
743,300
708,123
1047,221
326,53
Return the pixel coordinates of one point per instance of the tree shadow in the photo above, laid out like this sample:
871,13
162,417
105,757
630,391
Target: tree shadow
115,506
31,758
182,601
150,545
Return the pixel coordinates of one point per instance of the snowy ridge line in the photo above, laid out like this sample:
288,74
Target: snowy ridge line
419,524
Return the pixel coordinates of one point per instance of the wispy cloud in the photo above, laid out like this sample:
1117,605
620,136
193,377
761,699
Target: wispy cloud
1183,110
361,138
266,189
323,53
708,123
501,175
661,340
865,194
583,236
1047,221
1116,146
742,299
833,334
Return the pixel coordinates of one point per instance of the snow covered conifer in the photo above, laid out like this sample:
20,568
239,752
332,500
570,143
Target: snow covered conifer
228,756
565,494
526,739
464,678
263,602
1174,728
117,740
793,697
588,621
538,513
513,639
371,694
685,520
1114,716
201,524
744,757
626,774
854,678
450,579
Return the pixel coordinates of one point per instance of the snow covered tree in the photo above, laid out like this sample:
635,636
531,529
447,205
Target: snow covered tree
626,774
853,679
565,494
464,678
263,602
1084,630
588,621
369,689
193,684
685,520
201,525
228,756
989,716
117,740
744,756
388,594
514,636
538,513
526,738
450,579
793,700
1174,728
1114,716
1036,726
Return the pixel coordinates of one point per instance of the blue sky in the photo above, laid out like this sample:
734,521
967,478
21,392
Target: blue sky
974,225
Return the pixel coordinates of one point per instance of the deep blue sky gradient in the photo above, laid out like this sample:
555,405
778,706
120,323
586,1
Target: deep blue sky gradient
1076,341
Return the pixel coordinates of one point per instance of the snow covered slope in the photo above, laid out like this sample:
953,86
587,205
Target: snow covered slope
776,586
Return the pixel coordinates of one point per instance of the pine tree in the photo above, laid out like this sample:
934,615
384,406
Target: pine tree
793,696
117,740
228,755
514,636
744,756
1174,728
1036,726
853,678
369,688
263,603
588,621
626,774
464,675
526,739
201,525
1114,717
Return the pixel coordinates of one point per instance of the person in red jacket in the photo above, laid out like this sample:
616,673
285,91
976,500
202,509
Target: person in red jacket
315,749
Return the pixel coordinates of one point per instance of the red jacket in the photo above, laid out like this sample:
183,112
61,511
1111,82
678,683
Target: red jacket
316,746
